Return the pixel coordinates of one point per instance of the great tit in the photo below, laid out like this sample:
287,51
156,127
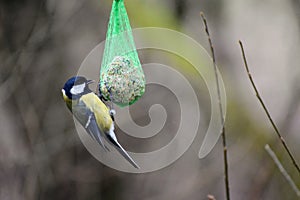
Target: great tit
92,113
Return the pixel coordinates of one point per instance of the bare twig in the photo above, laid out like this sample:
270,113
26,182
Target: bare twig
267,112
282,170
226,176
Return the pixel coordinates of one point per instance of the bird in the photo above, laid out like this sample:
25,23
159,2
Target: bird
92,114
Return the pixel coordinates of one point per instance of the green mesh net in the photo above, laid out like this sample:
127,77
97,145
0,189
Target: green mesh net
122,79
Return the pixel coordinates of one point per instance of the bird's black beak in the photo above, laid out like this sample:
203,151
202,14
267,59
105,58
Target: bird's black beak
90,81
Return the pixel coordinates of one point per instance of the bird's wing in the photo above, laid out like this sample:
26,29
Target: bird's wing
87,119
113,139
93,129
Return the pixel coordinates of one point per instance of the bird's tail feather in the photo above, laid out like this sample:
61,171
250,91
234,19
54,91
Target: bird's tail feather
123,152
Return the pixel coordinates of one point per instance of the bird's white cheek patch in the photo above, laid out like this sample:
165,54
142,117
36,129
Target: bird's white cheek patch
77,89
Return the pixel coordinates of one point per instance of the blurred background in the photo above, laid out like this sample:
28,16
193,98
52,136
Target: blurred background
43,43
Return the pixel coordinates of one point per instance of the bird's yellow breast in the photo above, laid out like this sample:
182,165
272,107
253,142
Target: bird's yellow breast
100,110
67,100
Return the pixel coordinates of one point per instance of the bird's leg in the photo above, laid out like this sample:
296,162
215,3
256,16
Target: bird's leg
100,95
112,111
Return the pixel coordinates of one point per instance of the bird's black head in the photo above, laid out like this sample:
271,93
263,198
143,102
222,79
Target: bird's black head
76,86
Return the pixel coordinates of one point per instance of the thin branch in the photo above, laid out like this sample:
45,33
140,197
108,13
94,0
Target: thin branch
226,175
267,112
282,170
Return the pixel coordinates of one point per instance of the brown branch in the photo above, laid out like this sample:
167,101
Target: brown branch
226,175
267,112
